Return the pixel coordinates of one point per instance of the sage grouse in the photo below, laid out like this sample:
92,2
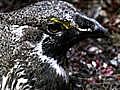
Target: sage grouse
34,41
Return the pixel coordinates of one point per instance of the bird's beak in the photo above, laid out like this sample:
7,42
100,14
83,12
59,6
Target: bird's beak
99,28
85,23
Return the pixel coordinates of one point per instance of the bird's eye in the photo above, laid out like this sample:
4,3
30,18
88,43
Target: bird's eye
57,25
54,28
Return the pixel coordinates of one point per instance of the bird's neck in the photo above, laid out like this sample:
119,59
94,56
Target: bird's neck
50,60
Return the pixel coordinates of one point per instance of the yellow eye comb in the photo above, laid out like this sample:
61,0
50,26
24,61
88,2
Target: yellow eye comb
66,24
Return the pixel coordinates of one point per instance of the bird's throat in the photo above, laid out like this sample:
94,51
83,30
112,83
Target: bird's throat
49,60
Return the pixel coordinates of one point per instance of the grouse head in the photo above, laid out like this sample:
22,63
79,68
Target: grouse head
62,34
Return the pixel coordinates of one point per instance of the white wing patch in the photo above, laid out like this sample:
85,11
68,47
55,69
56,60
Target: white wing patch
14,85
